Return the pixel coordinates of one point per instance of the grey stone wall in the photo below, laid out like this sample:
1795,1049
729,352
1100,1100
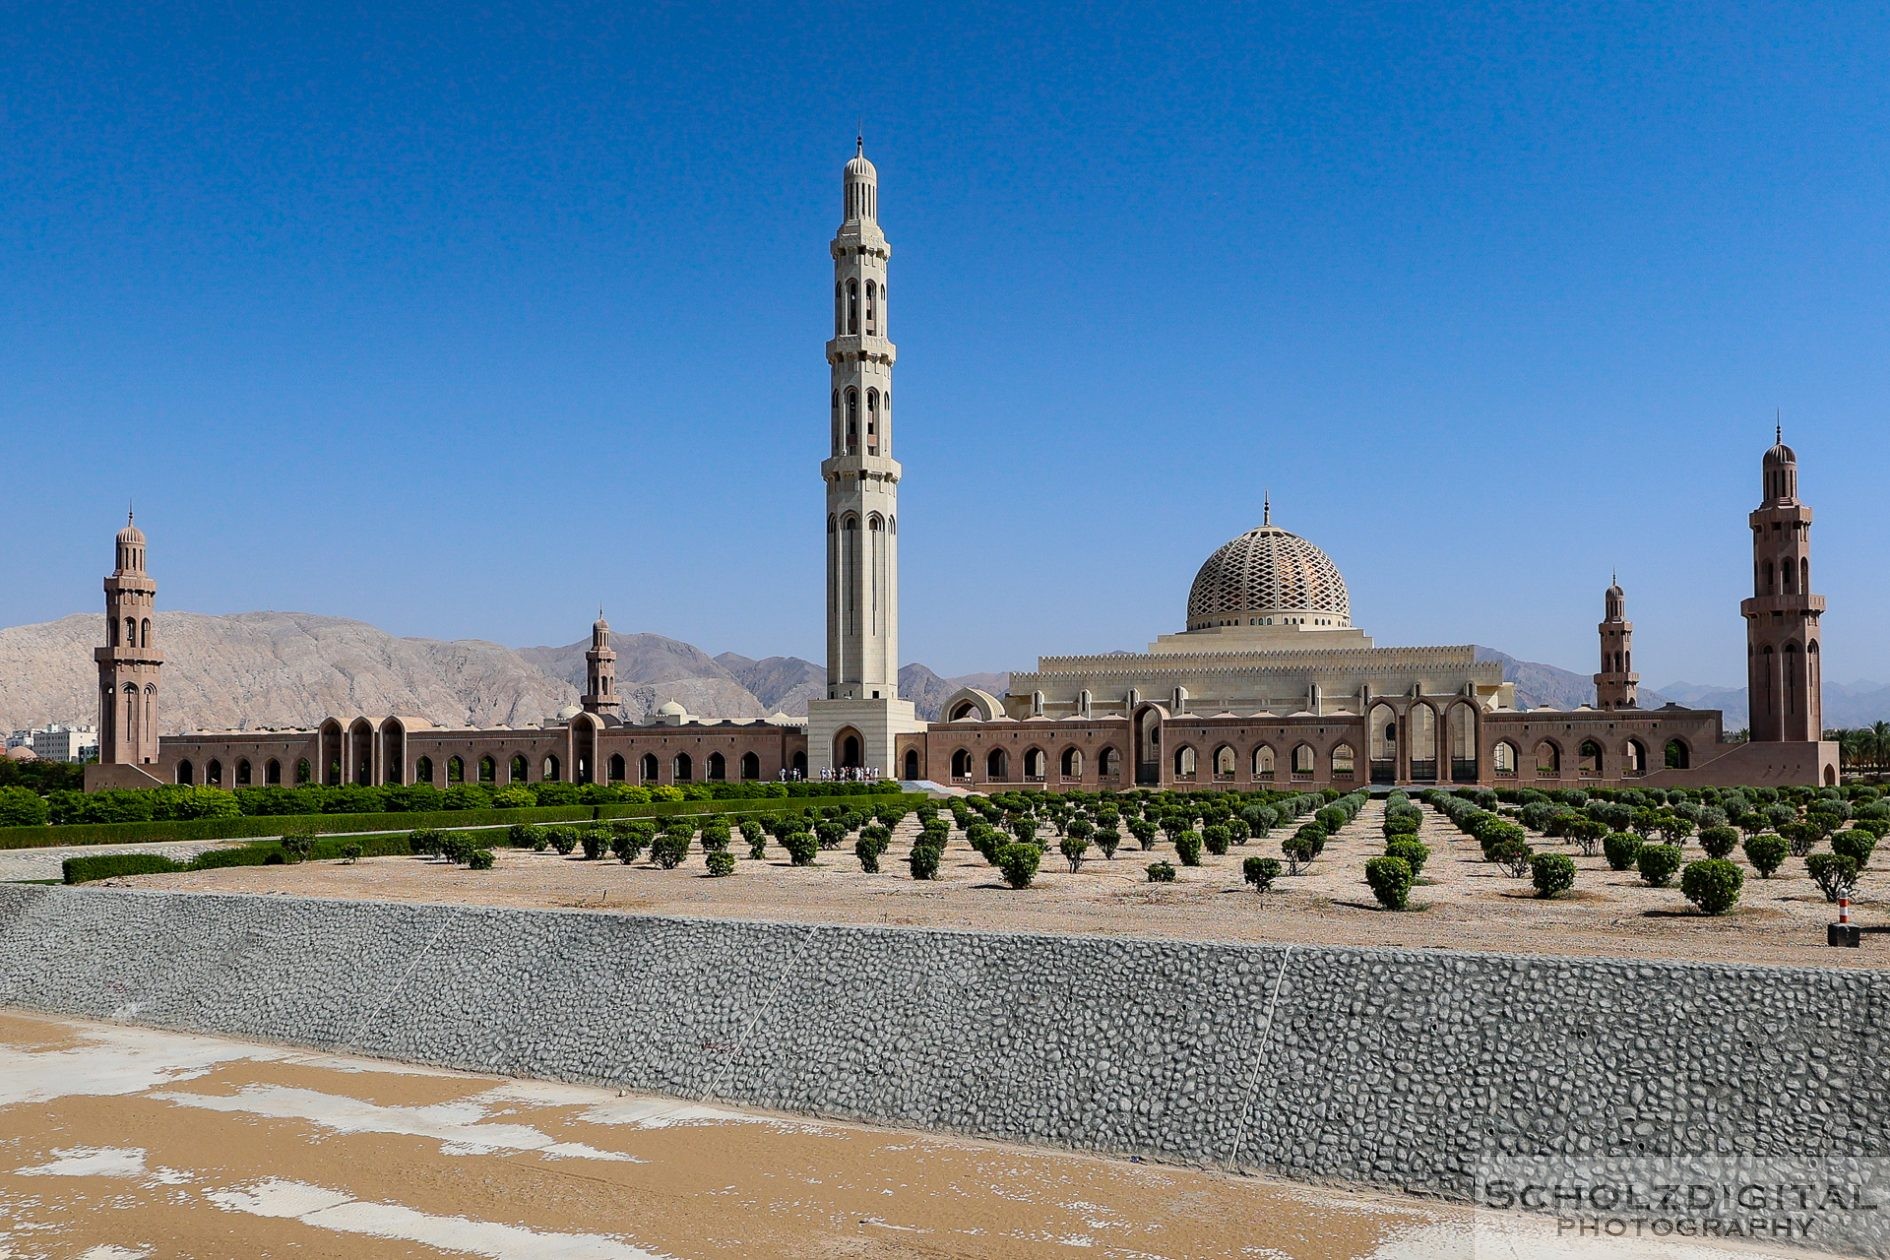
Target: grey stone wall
1399,1068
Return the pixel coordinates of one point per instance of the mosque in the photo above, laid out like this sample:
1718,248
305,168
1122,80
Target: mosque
1269,684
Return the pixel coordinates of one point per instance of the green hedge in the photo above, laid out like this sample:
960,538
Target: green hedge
338,824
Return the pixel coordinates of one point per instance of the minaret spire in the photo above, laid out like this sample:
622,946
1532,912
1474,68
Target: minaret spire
1266,508
854,725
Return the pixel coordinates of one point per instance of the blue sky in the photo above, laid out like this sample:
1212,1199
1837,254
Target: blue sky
465,319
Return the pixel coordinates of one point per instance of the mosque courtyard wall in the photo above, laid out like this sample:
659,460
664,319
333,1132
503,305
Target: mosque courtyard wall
1403,1069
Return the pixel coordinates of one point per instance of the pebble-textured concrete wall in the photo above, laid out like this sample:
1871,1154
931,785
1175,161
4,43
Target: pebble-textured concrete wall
1400,1068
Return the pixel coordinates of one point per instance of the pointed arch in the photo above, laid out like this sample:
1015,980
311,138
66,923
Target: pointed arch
1070,764
520,770
961,765
423,770
1109,764
1263,763
648,768
1504,759
751,766
717,768
997,766
615,768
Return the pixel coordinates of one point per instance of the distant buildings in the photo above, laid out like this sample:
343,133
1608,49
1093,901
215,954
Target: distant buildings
57,743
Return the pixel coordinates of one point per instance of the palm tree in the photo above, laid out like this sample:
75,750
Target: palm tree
1880,735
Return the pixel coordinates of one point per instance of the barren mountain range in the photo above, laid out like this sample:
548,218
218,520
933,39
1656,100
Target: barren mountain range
249,670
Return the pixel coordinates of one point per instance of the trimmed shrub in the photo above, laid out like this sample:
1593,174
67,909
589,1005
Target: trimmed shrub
1108,839
1299,851
923,861
1657,864
1766,853
720,862
1407,846
1260,872
1390,879
1144,832
1216,839
563,839
1018,863
425,841
1712,884
1835,874
669,848
1161,873
1802,835
867,849
521,835
1073,848
1854,844
1512,854
1621,848
594,842
297,843
479,859
1188,847
350,854
1718,841
801,847
1552,873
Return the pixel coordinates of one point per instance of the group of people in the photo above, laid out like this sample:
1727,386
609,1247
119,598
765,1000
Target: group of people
850,774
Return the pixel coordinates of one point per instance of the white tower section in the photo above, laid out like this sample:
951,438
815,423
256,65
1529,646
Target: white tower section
856,723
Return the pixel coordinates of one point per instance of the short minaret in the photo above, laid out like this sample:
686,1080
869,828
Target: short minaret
855,724
1617,686
600,672
128,663
1784,672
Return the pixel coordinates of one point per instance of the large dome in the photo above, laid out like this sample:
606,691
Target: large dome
1268,576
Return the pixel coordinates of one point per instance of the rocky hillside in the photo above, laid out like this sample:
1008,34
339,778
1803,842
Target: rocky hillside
262,669
293,669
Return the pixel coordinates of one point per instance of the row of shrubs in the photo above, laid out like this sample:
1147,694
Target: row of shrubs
295,847
21,807
270,825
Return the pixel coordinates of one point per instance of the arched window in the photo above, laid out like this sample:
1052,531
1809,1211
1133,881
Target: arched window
963,710
872,421
1768,577
455,771
647,769
853,306
242,772
1263,763
272,773
1185,762
303,772
751,766
799,765
1636,758
423,770
213,774
551,769
1588,760
683,769
144,633
872,308
1678,755
718,767
1035,764
186,773
488,770
853,421
1344,762
1109,764
839,309
1071,766
997,767
131,632
520,771
1503,759
1804,578
961,764
1548,760
912,764
1303,761
1224,760
615,768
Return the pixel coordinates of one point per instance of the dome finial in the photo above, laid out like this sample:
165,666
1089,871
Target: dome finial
1778,427
1266,508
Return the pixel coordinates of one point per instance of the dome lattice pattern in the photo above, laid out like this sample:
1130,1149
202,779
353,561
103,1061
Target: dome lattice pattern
1268,572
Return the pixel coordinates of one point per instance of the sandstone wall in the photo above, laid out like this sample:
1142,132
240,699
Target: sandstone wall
1399,1068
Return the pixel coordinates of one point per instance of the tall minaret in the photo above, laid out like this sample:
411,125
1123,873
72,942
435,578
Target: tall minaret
1784,673
1617,686
600,672
128,663
862,478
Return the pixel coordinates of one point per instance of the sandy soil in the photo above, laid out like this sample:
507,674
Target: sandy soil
1463,903
124,1143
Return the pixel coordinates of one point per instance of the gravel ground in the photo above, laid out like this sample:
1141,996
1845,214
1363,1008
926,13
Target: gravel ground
1462,902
